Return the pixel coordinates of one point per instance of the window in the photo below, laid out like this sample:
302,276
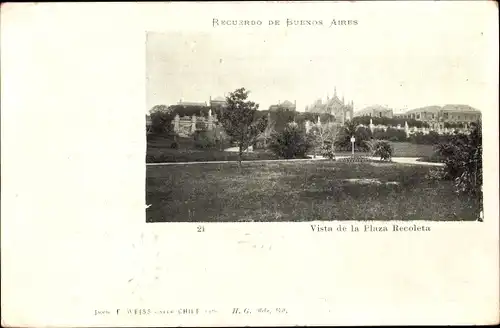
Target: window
418,116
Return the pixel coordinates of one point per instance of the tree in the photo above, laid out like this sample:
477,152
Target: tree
159,108
349,129
330,135
324,136
241,120
383,149
281,118
292,142
265,136
161,122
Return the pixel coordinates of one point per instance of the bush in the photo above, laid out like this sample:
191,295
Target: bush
394,139
463,161
453,125
328,151
161,122
292,142
383,149
174,145
204,140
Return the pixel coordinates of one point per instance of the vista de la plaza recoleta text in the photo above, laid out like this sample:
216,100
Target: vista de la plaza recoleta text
369,228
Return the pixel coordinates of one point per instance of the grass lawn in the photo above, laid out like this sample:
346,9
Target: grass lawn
159,151
408,149
301,191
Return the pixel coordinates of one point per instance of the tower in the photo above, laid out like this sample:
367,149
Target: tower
334,92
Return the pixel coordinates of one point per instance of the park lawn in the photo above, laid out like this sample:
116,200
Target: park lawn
301,191
159,151
408,149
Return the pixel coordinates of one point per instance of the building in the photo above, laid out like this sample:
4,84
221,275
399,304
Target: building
218,102
341,110
286,105
192,103
375,111
436,116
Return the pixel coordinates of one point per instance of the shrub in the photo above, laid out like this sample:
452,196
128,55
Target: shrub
161,122
426,139
328,151
204,140
394,139
174,145
383,149
292,142
463,161
204,143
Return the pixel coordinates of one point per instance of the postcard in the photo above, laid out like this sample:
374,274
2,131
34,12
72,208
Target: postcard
248,164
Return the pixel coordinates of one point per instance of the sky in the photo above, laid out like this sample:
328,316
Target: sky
408,62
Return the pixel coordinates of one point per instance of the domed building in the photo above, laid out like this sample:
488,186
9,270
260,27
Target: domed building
335,106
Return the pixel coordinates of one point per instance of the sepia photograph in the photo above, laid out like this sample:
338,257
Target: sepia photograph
276,127
277,163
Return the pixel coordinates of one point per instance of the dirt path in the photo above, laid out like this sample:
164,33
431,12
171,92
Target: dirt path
403,160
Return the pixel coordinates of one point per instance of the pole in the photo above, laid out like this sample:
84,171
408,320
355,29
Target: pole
353,148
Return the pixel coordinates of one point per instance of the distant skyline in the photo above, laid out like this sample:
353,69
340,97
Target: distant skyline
396,67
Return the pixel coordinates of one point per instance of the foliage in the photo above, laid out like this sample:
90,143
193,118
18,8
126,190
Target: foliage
241,121
323,137
463,161
431,138
159,108
189,110
282,118
454,125
292,142
391,134
382,149
161,122
204,139
328,151
264,137
174,145
365,120
343,139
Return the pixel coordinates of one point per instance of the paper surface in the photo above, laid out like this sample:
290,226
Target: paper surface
75,243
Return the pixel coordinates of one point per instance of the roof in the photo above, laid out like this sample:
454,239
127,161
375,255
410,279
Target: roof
460,108
191,103
374,107
287,103
448,108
